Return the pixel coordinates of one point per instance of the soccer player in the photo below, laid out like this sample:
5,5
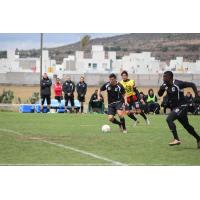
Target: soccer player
133,99
68,89
115,92
174,89
45,91
81,89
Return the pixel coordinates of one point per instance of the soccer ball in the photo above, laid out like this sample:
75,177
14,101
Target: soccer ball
105,128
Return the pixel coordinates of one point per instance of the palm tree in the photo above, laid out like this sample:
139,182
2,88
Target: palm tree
85,41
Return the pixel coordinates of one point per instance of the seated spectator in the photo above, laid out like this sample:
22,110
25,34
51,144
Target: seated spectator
144,105
95,105
165,103
189,100
152,104
196,102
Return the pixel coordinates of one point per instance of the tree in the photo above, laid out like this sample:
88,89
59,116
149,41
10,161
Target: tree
85,41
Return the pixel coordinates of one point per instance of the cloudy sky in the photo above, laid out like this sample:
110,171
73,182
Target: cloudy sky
32,40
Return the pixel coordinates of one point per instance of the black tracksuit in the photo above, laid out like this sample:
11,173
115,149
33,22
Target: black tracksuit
81,89
68,89
178,105
45,90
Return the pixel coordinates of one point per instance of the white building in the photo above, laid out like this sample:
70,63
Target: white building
178,65
15,64
140,63
98,63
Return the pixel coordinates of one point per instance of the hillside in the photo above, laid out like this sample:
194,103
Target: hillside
164,46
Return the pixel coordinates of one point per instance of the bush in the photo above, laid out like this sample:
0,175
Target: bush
164,49
7,96
34,98
193,48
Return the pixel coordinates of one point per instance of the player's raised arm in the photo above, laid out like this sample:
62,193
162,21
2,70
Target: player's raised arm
162,89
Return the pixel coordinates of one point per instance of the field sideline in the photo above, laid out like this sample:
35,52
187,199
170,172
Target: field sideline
75,139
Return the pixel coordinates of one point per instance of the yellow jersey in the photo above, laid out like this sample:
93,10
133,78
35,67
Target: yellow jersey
128,86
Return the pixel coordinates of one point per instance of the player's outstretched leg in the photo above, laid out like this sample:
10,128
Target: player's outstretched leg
170,121
132,116
185,123
115,121
122,120
145,117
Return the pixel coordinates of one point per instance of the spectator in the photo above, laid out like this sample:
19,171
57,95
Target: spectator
95,105
68,89
189,100
58,91
45,91
197,104
152,104
144,107
81,89
165,103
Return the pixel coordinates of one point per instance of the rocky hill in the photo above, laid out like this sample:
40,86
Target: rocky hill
164,46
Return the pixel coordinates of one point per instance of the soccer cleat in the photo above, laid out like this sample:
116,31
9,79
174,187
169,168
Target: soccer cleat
135,123
147,121
175,142
124,131
198,144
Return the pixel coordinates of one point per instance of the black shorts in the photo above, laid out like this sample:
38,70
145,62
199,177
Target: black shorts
112,108
180,111
48,99
81,98
58,98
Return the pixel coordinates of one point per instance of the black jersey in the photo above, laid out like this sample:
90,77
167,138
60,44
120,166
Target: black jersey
68,87
81,88
115,92
175,92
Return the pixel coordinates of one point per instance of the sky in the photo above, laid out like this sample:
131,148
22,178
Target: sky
10,41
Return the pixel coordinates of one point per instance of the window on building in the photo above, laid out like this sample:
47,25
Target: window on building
89,65
138,66
94,65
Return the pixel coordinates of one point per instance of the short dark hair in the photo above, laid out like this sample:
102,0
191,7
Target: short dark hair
124,72
112,76
169,73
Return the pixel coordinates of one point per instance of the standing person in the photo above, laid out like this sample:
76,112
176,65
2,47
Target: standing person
58,90
174,89
45,91
116,93
133,98
68,89
81,89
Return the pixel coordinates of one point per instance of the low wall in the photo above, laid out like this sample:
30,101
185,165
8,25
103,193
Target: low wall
142,80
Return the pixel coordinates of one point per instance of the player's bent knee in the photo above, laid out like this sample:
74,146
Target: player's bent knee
110,118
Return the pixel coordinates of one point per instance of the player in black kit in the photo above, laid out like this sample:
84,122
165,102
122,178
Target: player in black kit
116,100
174,89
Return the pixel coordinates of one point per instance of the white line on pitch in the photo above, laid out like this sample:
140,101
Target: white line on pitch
68,147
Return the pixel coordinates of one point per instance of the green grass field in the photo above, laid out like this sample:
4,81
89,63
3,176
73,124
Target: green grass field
74,139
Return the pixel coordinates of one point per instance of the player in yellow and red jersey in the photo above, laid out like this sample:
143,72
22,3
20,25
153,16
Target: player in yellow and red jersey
133,99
